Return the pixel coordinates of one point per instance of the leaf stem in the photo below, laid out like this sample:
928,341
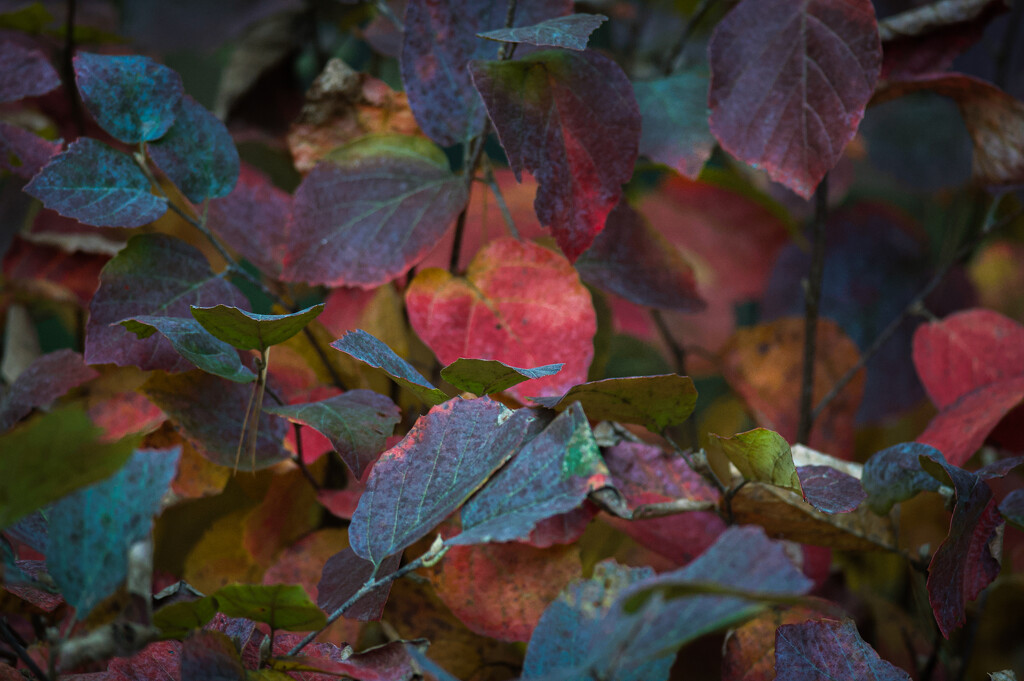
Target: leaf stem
300,462
684,37
492,182
678,351
812,304
11,637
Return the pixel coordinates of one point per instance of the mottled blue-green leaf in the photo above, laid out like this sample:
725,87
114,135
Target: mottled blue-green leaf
179,619
95,184
197,153
675,130
487,376
372,351
251,331
895,474
358,423
570,32
92,529
195,344
131,97
282,606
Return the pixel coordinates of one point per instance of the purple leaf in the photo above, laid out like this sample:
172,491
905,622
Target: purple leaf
154,275
789,83
194,343
371,211
133,98
24,72
570,32
344,574
819,650
632,259
572,121
675,121
250,220
370,350
357,423
24,153
449,454
830,490
97,185
1012,508
210,656
46,379
440,39
895,474
197,153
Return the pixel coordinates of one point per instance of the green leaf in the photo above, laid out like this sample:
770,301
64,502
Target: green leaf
761,455
372,351
251,331
177,620
195,344
487,376
282,606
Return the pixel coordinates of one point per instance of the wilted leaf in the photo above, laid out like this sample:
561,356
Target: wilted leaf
487,376
827,649
252,220
972,366
344,574
519,304
95,184
895,474
570,32
371,211
368,349
251,331
571,120
133,98
632,259
675,121
761,455
197,153
448,455
24,72
24,153
92,529
804,72
195,344
282,606
47,378
210,656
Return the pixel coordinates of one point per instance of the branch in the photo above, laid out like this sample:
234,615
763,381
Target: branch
684,37
678,351
492,182
812,301
11,637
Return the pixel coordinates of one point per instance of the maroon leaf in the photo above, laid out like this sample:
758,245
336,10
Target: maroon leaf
826,649
632,259
571,120
440,39
46,379
210,656
64,275
344,574
639,468
154,275
789,83
388,662
570,32
830,490
24,72
371,211
251,220
22,152
161,660
675,116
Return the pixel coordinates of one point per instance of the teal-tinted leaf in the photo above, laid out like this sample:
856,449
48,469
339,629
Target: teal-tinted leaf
210,656
818,650
133,98
195,344
24,72
92,529
448,455
372,351
178,619
655,402
97,185
550,475
487,376
282,606
571,32
251,331
895,474
1012,508
675,115
197,153
357,423
50,457
46,379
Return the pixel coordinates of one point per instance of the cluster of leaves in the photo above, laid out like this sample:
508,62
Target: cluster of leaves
237,411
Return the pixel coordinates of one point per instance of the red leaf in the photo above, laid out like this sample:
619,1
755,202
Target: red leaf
24,72
571,120
972,366
519,304
789,83
826,649
53,271
46,379
251,220
22,152
161,660
388,662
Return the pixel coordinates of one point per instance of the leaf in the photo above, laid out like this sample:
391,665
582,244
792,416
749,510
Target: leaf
1012,508
197,153
552,474
570,32
210,412
177,620
24,153
92,530
133,98
357,423
972,366
761,455
368,349
448,455
827,649
439,42
97,185
157,660
250,220
251,331
371,211
632,259
195,344
344,574
154,275
47,378
51,456
830,490
571,120
487,376
675,121
749,650
24,72
519,303
281,606
388,662
655,402
804,70
895,474
210,656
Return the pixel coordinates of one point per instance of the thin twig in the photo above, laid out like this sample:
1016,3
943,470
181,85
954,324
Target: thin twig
11,637
684,37
300,461
68,66
499,198
678,351
386,11
812,301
